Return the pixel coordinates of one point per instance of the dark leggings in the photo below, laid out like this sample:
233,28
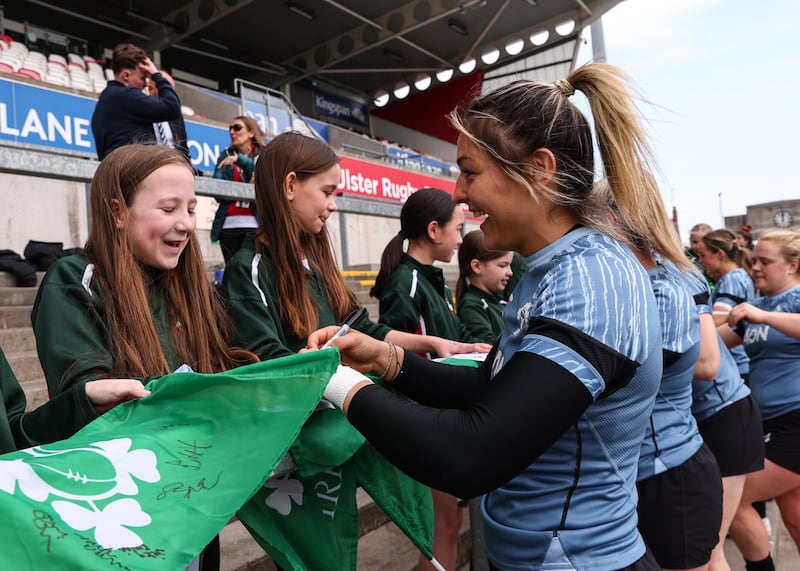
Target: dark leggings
209,558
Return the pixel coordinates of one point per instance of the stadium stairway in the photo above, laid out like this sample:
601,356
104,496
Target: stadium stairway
382,546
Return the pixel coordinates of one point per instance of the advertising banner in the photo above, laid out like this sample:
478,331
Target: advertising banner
40,116
341,109
370,180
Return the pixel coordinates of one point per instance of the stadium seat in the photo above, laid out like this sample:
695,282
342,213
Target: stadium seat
36,55
57,74
79,78
61,80
35,61
77,72
94,69
6,68
57,59
11,60
76,60
16,49
27,72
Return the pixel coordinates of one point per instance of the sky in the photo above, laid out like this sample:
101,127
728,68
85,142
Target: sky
722,82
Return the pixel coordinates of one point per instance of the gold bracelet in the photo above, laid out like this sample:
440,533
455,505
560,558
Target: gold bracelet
398,366
392,357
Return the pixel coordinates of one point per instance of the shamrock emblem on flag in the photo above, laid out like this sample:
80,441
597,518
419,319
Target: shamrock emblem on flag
90,475
287,491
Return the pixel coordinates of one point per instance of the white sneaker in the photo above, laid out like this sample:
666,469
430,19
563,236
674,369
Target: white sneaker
768,526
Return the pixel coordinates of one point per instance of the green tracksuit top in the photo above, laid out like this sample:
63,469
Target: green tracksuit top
57,419
482,314
417,300
254,307
72,335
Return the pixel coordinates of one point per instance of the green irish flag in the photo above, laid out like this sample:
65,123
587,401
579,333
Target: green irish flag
308,520
151,482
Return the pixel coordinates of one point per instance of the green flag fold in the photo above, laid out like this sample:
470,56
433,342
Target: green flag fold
309,519
148,484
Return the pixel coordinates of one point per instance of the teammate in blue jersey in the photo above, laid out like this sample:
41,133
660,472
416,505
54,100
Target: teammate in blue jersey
730,266
727,416
679,485
769,328
550,427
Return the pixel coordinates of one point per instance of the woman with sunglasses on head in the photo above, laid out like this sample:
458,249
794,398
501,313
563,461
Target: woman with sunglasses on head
769,329
236,218
550,427
284,282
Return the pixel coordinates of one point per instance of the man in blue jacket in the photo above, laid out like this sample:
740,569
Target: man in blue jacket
125,113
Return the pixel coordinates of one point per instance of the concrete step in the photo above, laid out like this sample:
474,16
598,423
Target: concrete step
782,547
7,279
240,551
15,316
388,549
381,547
17,339
25,365
17,295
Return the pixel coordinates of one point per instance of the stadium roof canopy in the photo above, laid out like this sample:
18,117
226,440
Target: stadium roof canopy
361,47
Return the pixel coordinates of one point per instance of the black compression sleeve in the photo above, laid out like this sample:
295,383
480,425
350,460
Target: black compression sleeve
437,384
511,422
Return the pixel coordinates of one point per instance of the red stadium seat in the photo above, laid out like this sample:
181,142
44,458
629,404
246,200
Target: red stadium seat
32,73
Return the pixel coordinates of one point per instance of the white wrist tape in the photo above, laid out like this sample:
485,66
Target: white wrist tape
340,384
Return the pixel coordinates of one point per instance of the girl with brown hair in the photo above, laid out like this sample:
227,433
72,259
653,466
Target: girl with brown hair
483,277
285,283
138,302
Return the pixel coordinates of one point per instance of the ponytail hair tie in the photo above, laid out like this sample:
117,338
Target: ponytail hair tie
402,235
564,86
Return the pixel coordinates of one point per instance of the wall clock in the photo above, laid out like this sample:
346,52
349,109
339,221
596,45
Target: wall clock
782,219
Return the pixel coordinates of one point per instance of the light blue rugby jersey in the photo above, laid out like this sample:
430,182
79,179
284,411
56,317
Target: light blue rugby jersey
732,289
672,437
774,358
710,397
595,284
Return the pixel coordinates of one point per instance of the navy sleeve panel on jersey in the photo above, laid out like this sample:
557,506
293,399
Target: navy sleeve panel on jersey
734,298
455,386
514,419
616,369
701,298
